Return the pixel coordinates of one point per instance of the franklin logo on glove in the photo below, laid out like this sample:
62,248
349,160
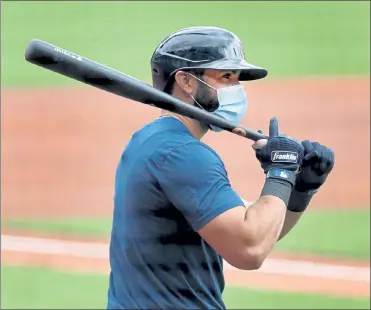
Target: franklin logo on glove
284,156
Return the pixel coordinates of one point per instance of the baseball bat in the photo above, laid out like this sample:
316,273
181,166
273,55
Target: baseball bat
59,60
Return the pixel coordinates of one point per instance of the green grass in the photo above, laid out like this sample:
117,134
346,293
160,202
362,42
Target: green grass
288,38
332,233
31,288
87,227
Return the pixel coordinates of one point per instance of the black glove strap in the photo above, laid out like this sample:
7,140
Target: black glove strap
282,174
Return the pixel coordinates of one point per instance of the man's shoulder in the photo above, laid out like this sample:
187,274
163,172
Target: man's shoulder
169,141
192,153
160,135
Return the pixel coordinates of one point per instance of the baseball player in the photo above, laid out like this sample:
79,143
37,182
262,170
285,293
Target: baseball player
176,216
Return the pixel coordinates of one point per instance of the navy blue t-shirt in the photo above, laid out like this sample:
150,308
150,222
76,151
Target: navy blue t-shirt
168,185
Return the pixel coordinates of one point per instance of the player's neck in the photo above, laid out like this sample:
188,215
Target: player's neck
196,129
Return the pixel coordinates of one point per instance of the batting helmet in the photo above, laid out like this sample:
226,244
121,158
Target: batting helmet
200,48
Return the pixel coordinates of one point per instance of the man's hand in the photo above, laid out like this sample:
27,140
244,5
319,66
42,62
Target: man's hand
317,164
280,156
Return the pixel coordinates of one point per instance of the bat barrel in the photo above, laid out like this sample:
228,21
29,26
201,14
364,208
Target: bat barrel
54,58
72,65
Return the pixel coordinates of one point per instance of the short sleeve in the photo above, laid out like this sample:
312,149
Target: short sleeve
194,179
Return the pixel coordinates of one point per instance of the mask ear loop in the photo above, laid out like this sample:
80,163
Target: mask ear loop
205,84
201,81
201,107
197,102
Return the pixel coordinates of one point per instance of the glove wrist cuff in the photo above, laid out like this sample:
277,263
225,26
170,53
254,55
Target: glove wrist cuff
278,187
299,201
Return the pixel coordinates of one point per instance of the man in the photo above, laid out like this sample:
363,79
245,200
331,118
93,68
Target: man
176,216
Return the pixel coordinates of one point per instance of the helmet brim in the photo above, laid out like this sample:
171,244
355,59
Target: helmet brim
249,72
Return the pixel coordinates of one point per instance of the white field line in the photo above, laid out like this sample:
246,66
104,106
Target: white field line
100,250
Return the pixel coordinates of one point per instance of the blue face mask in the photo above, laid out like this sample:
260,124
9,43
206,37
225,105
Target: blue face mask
232,104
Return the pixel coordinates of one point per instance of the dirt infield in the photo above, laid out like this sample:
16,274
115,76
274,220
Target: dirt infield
60,148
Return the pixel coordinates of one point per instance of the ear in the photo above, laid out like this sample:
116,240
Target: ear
184,81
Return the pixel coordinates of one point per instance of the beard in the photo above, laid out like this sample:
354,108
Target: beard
205,98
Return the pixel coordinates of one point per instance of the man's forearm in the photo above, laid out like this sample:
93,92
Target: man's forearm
298,203
291,219
264,221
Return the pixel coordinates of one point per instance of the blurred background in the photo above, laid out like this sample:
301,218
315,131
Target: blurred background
61,140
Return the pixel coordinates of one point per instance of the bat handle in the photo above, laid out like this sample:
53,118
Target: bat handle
248,133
